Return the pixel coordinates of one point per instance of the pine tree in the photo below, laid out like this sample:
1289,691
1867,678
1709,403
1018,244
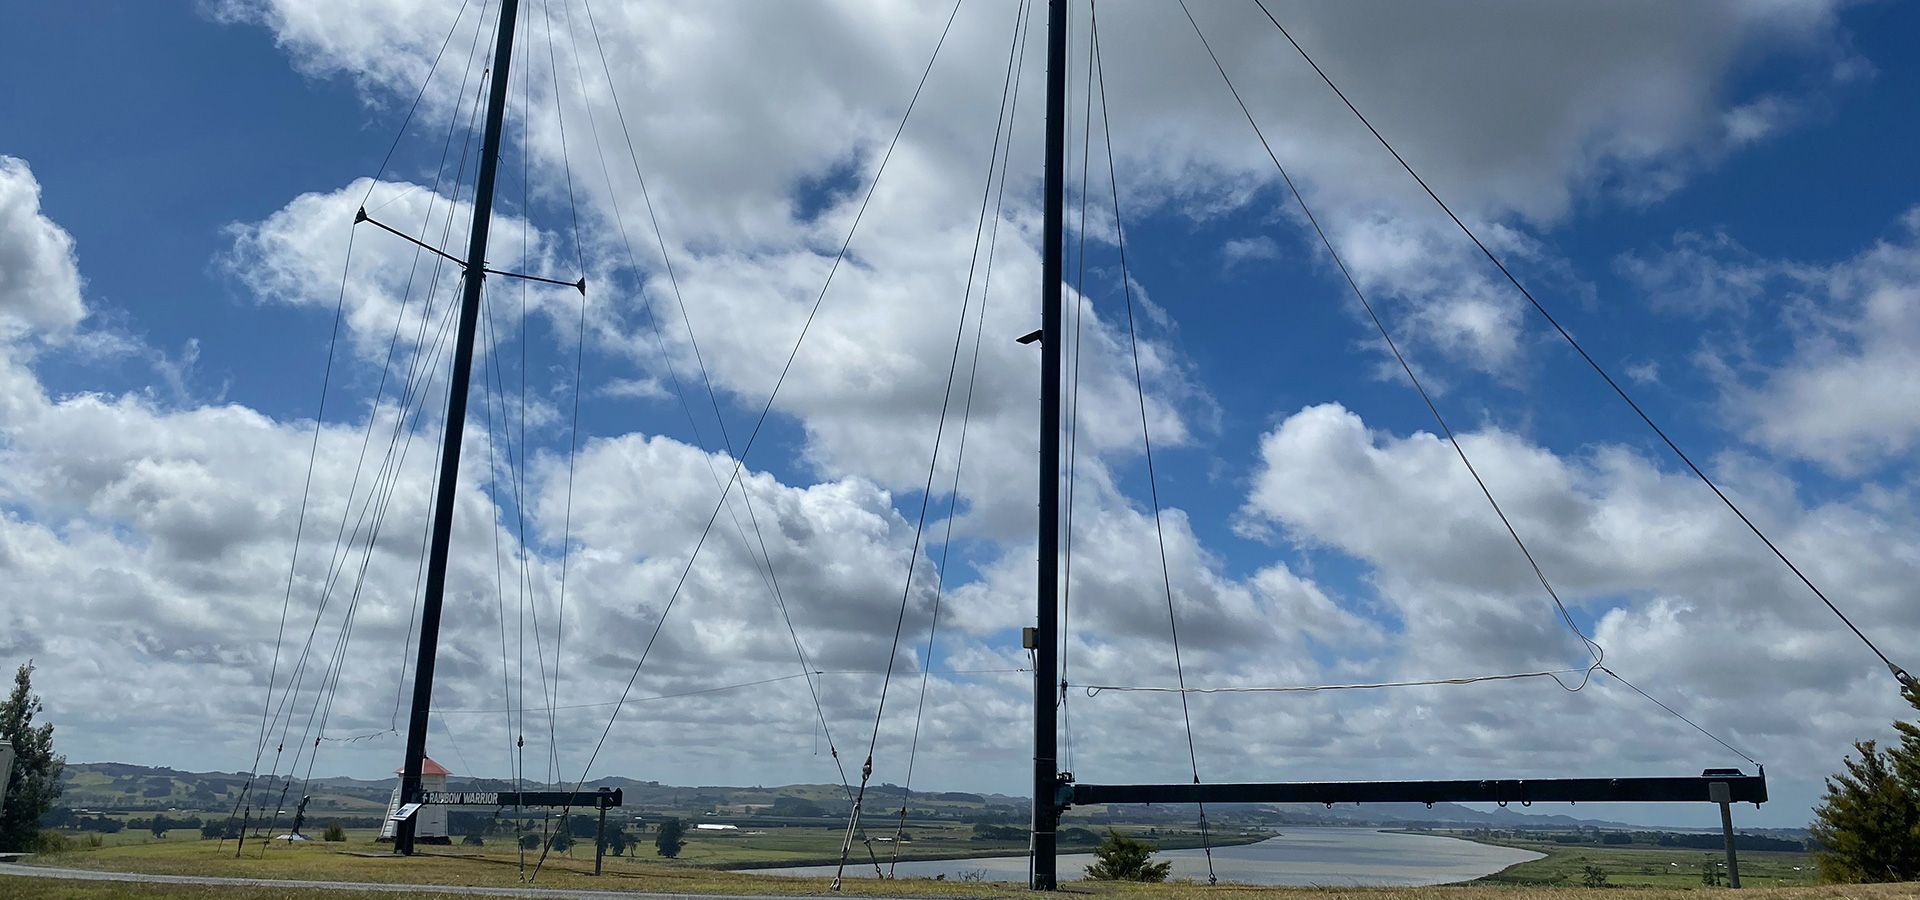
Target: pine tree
34,784
1906,757
1868,825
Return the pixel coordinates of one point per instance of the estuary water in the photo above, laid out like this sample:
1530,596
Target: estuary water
1299,856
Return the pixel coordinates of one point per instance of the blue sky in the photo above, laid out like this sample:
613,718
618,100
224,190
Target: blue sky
1717,206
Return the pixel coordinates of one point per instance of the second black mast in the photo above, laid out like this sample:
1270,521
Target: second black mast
457,384
1046,769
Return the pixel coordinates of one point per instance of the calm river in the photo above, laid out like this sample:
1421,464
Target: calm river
1300,856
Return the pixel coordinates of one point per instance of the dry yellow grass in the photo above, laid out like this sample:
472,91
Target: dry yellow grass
60,889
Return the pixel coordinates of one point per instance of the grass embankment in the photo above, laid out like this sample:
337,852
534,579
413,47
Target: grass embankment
455,866
1555,877
699,868
1646,865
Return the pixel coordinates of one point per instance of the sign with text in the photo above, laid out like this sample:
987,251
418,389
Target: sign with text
580,799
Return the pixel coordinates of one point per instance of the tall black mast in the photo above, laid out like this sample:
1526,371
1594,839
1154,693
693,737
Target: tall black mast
1045,650
456,424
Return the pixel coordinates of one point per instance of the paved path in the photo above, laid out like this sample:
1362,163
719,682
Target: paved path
376,887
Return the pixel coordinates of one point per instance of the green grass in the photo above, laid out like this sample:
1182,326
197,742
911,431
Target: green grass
703,855
362,860
1646,866
61,889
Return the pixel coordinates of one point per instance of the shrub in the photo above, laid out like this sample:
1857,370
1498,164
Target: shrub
1121,858
52,842
334,832
1593,877
473,840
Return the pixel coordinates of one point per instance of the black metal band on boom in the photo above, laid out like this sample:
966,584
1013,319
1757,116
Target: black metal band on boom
361,216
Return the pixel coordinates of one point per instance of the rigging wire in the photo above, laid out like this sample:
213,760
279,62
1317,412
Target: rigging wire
1000,126
406,647
455,743
321,417
492,390
1095,690
1676,714
433,281
327,690
377,504
811,673
765,571
1592,648
1900,674
1080,303
421,94
528,596
560,625
770,577
389,471
919,528
313,454
1146,437
767,408
336,567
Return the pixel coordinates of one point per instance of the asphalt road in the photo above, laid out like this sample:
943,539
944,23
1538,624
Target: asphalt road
458,890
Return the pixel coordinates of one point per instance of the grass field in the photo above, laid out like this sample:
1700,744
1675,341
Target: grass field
704,854
1647,866
13,888
783,845
1633,872
367,861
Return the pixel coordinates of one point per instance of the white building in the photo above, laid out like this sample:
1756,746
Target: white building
430,823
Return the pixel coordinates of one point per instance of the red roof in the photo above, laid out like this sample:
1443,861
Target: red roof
428,767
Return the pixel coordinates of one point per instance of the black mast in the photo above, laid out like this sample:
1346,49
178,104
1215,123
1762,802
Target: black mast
1045,650
456,424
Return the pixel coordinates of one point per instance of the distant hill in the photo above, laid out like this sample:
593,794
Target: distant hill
129,787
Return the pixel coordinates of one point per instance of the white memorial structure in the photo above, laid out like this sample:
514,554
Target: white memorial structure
430,822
